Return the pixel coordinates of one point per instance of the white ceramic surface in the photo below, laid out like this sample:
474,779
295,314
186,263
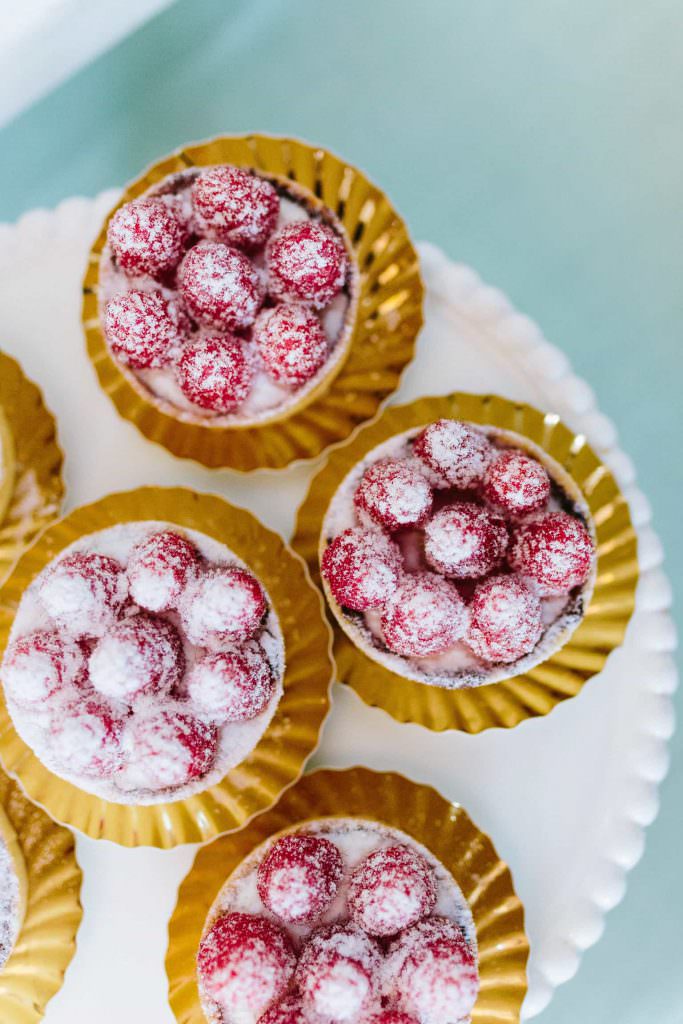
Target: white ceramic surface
566,798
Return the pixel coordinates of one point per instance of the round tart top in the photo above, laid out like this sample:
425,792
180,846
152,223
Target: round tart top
13,886
226,294
457,554
144,662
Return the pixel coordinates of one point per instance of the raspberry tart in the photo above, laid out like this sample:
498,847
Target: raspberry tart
457,555
144,662
343,921
13,886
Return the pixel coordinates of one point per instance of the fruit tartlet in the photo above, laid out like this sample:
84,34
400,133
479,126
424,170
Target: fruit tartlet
143,663
339,921
457,555
13,887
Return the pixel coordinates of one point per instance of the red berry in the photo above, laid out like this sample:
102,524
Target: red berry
142,330
220,286
288,1011
387,1017
505,619
456,452
395,494
425,615
245,964
299,877
362,568
146,237
390,890
232,685
165,747
555,551
337,975
307,262
159,569
86,737
516,484
40,665
235,206
291,342
138,655
225,605
83,593
215,374
465,540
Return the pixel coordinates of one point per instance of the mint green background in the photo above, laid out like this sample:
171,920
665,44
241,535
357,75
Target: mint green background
539,141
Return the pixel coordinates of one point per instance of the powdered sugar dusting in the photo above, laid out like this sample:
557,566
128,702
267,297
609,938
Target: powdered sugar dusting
10,900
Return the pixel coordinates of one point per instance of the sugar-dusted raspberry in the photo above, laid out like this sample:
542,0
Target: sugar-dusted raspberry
424,615
291,342
40,665
225,605
146,237
234,206
337,975
160,568
435,976
141,329
391,889
505,619
86,736
289,1010
165,746
555,551
215,374
395,494
220,286
232,685
456,452
83,593
388,1017
362,568
138,655
245,963
307,262
299,877
465,540
516,484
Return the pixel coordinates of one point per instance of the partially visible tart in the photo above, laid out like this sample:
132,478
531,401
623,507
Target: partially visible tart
7,465
13,888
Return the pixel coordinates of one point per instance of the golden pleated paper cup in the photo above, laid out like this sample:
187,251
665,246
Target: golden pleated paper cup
46,942
387,318
443,827
563,673
29,434
280,755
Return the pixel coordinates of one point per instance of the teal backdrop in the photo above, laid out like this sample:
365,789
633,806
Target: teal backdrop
539,141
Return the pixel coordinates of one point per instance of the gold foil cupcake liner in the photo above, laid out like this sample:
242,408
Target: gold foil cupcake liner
46,942
443,827
388,314
280,755
37,489
562,674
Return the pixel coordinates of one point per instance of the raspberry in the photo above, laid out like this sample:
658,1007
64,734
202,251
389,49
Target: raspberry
516,484
220,286
362,568
146,237
505,619
165,747
299,877
245,964
138,655
288,1011
337,975
225,605
159,569
83,593
465,540
425,615
387,1017
215,374
307,262
40,665
232,685
235,206
390,890
555,551
291,342
142,330
455,451
86,737
394,494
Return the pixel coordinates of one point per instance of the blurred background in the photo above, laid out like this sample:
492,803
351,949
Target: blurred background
538,141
